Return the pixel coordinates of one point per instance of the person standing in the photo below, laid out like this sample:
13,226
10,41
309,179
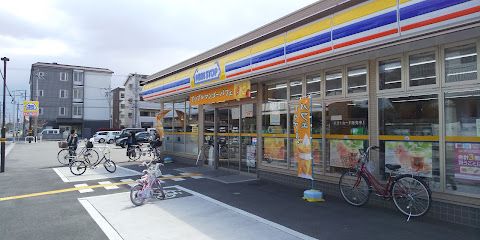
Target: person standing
72,142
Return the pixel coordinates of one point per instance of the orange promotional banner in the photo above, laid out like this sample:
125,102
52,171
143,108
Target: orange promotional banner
302,145
225,93
159,119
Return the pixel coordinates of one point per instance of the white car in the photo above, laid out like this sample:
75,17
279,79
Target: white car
111,136
100,137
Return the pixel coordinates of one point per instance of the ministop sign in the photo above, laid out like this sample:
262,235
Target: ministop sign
30,108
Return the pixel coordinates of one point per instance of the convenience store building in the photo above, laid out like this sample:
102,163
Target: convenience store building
400,74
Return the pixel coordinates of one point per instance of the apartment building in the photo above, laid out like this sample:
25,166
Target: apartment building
137,113
117,103
71,97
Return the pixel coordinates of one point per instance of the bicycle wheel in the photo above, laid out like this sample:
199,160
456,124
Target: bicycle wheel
78,168
134,154
354,188
135,195
63,157
91,156
411,195
110,166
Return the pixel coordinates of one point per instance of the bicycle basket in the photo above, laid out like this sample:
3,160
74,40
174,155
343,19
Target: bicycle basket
89,144
62,144
350,160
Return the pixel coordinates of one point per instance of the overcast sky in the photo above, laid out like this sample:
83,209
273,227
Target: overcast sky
124,36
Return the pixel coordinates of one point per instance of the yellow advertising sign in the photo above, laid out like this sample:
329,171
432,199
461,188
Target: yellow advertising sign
302,144
30,108
225,93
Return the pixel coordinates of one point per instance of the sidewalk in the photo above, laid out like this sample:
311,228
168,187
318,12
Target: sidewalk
332,219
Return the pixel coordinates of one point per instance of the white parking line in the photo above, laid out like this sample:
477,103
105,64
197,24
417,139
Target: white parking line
108,183
174,179
83,190
111,233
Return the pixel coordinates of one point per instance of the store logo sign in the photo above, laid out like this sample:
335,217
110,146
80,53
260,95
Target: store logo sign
207,74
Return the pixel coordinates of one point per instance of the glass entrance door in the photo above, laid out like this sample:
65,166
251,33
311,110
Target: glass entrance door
228,137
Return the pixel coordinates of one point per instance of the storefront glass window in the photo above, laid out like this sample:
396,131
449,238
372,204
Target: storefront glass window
357,79
462,130
191,137
274,126
253,91
178,126
409,135
314,85
168,126
390,74
295,89
461,63
317,109
422,69
346,133
276,92
248,138
333,80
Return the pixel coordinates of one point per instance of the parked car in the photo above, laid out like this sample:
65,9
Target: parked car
142,137
111,136
100,137
125,131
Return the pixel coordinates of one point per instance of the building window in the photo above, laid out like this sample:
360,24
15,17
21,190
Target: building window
62,111
122,106
144,114
276,92
122,95
390,74
40,111
40,93
421,69
130,115
409,135
77,93
461,63
462,153
346,133
333,83
63,93
314,85
78,77
63,76
357,79
77,110
295,89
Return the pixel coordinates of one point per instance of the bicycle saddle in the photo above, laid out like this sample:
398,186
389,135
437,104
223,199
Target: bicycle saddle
393,167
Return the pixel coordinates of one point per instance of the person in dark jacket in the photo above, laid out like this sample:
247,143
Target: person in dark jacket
72,141
131,140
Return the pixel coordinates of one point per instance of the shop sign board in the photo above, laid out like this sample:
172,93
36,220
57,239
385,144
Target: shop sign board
414,157
467,161
30,108
344,152
303,132
207,74
225,93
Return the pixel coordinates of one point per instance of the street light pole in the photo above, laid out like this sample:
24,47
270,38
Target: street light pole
5,60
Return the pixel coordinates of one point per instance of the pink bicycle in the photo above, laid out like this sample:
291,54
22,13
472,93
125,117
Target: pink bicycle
148,186
410,193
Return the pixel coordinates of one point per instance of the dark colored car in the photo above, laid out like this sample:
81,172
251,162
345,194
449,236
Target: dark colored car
142,137
125,131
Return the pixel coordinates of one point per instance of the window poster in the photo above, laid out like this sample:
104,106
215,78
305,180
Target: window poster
344,152
414,157
274,119
467,161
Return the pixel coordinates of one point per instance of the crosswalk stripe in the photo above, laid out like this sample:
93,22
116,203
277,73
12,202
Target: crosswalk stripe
174,178
110,186
84,190
128,180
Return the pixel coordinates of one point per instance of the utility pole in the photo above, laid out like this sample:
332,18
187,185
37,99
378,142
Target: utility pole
23,116
2,161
